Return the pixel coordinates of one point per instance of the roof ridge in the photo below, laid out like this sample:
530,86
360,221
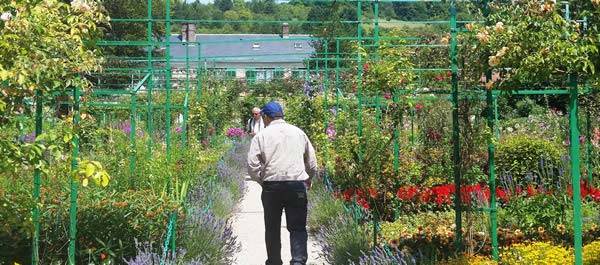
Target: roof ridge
246,34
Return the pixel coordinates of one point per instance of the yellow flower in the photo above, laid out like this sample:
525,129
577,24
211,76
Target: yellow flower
561,228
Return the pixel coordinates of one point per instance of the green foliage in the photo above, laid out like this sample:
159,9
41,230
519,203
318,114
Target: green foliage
216,109
530,213
44,47
107,222
521,155
323,207
532,44
343,240
392,72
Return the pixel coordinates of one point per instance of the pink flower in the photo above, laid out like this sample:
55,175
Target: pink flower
234,132
331,133
418,106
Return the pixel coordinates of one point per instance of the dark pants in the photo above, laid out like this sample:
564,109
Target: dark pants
291,196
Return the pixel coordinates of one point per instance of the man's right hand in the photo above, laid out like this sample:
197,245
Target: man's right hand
308,184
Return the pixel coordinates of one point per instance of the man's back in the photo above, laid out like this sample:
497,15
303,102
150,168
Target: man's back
285,152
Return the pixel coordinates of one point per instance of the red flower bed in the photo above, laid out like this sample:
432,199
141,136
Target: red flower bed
443,195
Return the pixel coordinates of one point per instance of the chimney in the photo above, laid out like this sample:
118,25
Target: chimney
285,30
188,32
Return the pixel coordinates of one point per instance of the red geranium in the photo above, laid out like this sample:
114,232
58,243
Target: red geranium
347,194
531,190
502,194
443,194
363,203
373,193
425,195
406,193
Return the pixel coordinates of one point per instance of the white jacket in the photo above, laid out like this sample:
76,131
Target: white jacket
281,152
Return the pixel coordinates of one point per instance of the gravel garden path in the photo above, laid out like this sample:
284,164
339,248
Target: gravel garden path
248,226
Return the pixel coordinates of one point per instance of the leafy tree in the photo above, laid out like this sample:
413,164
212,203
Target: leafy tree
132,31
44,47
224,5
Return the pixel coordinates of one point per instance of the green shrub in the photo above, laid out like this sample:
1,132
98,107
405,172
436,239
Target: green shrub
323,207
520,155
343,240
107,224
531,213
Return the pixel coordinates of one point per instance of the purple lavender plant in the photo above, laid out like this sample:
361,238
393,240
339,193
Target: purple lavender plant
209,238
124,126
307,89
29,138
147,256
386,256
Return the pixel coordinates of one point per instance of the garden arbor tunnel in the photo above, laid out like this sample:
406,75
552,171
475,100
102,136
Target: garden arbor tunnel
156,93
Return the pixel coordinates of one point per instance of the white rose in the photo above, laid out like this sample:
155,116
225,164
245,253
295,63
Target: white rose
6,16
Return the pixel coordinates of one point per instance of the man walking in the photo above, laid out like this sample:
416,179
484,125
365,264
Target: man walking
255,124
282,159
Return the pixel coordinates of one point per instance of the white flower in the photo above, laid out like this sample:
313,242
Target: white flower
80,5
509,129
472,118
6,16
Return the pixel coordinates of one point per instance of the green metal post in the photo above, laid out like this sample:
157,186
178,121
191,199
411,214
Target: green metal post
376,26
168,102
491,119
150,82
497,129
412,126
187,93
74,182
37,183
588,146
337,73
360,77
492,180
455,128
199,74
132,141
168,78
397,137
376,216
326,103
575,171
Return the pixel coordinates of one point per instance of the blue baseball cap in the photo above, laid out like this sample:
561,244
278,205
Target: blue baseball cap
273,110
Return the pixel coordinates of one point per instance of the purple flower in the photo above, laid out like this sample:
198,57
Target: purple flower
29,138
178,130
125,127
331,133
